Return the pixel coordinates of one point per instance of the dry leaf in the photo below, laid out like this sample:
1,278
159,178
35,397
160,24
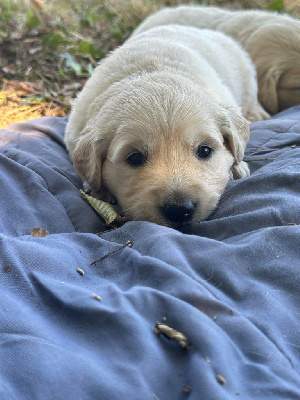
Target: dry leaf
97,297
171,334
105,210
80,271
38,232
221,379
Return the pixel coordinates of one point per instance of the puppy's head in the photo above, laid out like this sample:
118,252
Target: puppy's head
275,50
163,151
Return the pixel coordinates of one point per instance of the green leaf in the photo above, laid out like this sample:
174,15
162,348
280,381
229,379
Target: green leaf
54,40
105,210
87,20
110,16
277,5
32,21
87,48
34,97
117,32
84,47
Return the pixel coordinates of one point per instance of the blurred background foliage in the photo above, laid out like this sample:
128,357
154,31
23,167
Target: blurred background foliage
48,48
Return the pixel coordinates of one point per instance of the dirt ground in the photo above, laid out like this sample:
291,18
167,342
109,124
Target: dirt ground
42,61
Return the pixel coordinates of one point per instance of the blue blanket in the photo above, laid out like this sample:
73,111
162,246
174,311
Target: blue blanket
229,284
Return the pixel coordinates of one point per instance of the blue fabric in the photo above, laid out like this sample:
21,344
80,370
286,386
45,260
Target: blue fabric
230,284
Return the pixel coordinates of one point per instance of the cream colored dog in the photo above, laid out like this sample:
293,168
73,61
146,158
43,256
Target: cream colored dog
160,125
271,39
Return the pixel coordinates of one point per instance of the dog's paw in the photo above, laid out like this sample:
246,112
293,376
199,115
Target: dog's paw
240,170
257,114
86,188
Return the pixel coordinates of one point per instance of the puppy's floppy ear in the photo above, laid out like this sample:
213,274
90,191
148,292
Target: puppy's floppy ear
288,88
87,157
236,133
268,92
235,130
274,49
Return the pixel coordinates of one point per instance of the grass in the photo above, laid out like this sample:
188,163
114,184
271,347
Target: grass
48,48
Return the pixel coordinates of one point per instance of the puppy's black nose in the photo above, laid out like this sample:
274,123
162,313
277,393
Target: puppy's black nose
179,212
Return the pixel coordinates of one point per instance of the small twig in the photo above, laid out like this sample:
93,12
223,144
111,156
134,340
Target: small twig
20,85
55,100
92,60
258,159
44,79
129,243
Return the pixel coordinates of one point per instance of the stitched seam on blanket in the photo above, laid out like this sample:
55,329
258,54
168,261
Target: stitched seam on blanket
272,138
263,144
278,167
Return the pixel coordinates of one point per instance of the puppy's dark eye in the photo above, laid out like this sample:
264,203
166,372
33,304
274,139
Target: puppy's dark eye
204,152
136,159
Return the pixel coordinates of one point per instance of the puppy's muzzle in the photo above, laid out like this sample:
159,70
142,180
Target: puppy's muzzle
178,212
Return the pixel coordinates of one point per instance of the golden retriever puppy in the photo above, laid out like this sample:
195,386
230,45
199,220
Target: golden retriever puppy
271,39
160,126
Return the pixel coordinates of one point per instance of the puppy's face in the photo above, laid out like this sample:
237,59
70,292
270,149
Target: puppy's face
168,177
164,154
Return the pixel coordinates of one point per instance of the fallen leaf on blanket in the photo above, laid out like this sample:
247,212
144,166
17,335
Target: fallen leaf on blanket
38,232
105,210
171,334
221,379
80,271
97,297
6,268
186,388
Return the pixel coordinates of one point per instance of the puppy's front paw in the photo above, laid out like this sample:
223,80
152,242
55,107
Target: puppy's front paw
257,114
86,188
240,170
